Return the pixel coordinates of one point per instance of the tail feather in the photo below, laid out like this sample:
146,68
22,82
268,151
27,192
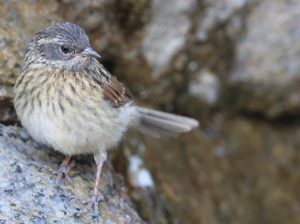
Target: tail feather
157,123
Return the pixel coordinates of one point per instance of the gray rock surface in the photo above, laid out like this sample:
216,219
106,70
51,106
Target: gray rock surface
165,33
30,196
267,66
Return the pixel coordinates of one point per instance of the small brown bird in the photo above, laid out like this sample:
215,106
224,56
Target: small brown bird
67,100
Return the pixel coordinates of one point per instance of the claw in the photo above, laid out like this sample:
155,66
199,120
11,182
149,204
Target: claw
63,169
47,168
75,197
90,202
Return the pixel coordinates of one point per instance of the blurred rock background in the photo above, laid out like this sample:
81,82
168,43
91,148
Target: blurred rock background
232,64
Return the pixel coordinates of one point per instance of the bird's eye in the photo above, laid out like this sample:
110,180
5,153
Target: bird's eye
65,49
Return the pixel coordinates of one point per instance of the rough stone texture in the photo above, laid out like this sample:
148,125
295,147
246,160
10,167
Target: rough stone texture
239,170
267,65
231,64
167,29
30,196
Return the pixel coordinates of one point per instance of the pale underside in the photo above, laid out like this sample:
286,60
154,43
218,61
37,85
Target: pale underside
68,112
79,133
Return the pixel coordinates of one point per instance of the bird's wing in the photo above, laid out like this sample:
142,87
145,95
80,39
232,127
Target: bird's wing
116,92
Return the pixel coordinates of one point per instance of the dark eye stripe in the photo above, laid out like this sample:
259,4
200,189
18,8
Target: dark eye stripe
65,49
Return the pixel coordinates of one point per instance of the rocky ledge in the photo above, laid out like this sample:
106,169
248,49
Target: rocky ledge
31,196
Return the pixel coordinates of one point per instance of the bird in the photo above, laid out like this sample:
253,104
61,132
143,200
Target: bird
66,99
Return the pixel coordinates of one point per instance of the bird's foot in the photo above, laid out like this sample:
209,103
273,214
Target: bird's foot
90,202
64,169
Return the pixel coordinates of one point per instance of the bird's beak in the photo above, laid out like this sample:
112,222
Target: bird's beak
88,52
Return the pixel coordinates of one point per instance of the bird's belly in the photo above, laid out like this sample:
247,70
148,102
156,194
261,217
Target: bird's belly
67,136
78,131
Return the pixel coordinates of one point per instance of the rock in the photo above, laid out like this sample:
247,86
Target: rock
165,33
30,196
217,12
255,178
239,170
266,69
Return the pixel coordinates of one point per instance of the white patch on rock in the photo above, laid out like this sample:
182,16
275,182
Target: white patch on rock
206,86
139,176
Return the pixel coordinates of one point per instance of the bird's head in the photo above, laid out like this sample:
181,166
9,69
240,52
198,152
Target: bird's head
62,45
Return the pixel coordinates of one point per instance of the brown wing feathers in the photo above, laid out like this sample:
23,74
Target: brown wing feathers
127,96
116,92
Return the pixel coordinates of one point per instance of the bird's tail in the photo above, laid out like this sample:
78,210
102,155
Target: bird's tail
157,123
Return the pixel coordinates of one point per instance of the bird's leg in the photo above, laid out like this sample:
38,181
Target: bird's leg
95,197
107,171
63,169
